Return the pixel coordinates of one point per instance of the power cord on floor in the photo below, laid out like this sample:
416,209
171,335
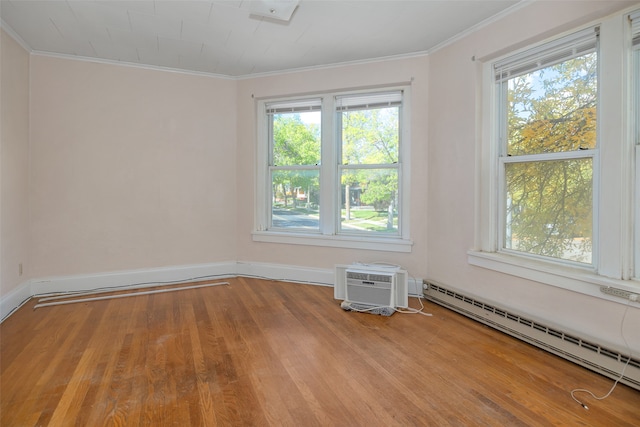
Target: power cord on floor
582,390
411,310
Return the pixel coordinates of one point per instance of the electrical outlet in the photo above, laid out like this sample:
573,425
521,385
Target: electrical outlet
620,293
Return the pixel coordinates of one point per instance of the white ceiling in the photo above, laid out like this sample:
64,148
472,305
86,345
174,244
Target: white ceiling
221,38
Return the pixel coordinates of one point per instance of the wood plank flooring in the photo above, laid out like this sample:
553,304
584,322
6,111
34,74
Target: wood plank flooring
263,353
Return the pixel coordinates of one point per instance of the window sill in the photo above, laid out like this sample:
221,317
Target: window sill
349,242
582,280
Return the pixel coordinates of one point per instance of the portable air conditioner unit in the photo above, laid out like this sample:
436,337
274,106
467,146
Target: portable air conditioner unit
371,288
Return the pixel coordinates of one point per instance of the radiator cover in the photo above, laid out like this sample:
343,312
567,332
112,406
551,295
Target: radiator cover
568,346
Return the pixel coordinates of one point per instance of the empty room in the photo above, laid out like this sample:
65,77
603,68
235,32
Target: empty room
320,213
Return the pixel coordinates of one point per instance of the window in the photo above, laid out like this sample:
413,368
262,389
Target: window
294,164
369,128
330,170
547,114
556,196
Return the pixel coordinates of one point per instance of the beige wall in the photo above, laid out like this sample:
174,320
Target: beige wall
134,168
333,79
455,88
14,167
131,168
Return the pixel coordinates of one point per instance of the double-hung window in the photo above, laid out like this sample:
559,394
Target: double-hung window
294,165
547,102
330,170
369,129
557,200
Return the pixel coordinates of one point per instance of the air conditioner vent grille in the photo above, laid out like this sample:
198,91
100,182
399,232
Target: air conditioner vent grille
370,277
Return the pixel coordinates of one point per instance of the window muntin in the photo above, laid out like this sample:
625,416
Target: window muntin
548,140
369,144
302,184
294,164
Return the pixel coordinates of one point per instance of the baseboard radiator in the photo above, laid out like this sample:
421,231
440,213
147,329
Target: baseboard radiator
590,355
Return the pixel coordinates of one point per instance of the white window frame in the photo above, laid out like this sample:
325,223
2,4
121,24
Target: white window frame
613,183
634,38
568,47
329,180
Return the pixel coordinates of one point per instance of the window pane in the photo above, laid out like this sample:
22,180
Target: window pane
549,208
296,139
370,136
553,109
295,198
369,200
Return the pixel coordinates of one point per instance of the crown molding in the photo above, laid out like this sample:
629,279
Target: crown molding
130,64
7,29
521,4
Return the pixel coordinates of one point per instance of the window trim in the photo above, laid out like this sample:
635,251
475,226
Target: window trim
328,235
633,38
610,265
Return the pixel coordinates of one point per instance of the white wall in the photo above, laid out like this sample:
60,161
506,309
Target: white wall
14,154
131,168
455,88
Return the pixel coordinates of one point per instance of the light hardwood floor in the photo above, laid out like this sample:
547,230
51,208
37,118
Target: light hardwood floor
260,353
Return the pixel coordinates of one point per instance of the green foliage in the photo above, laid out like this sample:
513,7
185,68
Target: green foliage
549,203
295,143
371,137
380,190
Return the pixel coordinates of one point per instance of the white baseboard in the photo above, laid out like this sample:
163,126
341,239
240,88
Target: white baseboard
130,279
289,273
14,299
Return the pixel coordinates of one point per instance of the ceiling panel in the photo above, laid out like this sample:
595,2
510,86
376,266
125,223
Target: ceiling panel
223,38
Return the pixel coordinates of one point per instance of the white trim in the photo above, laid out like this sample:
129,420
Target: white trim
11,32
581,280
287,273
131,64
14,299
329,176
472,29
613,260
335,241
131,278
334,65
166,276
99,296
635,271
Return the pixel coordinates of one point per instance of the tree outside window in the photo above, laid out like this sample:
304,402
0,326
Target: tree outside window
363,183
548,159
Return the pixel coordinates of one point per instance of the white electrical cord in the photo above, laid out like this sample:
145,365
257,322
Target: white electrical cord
582,390
408,310
411,310
131,294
